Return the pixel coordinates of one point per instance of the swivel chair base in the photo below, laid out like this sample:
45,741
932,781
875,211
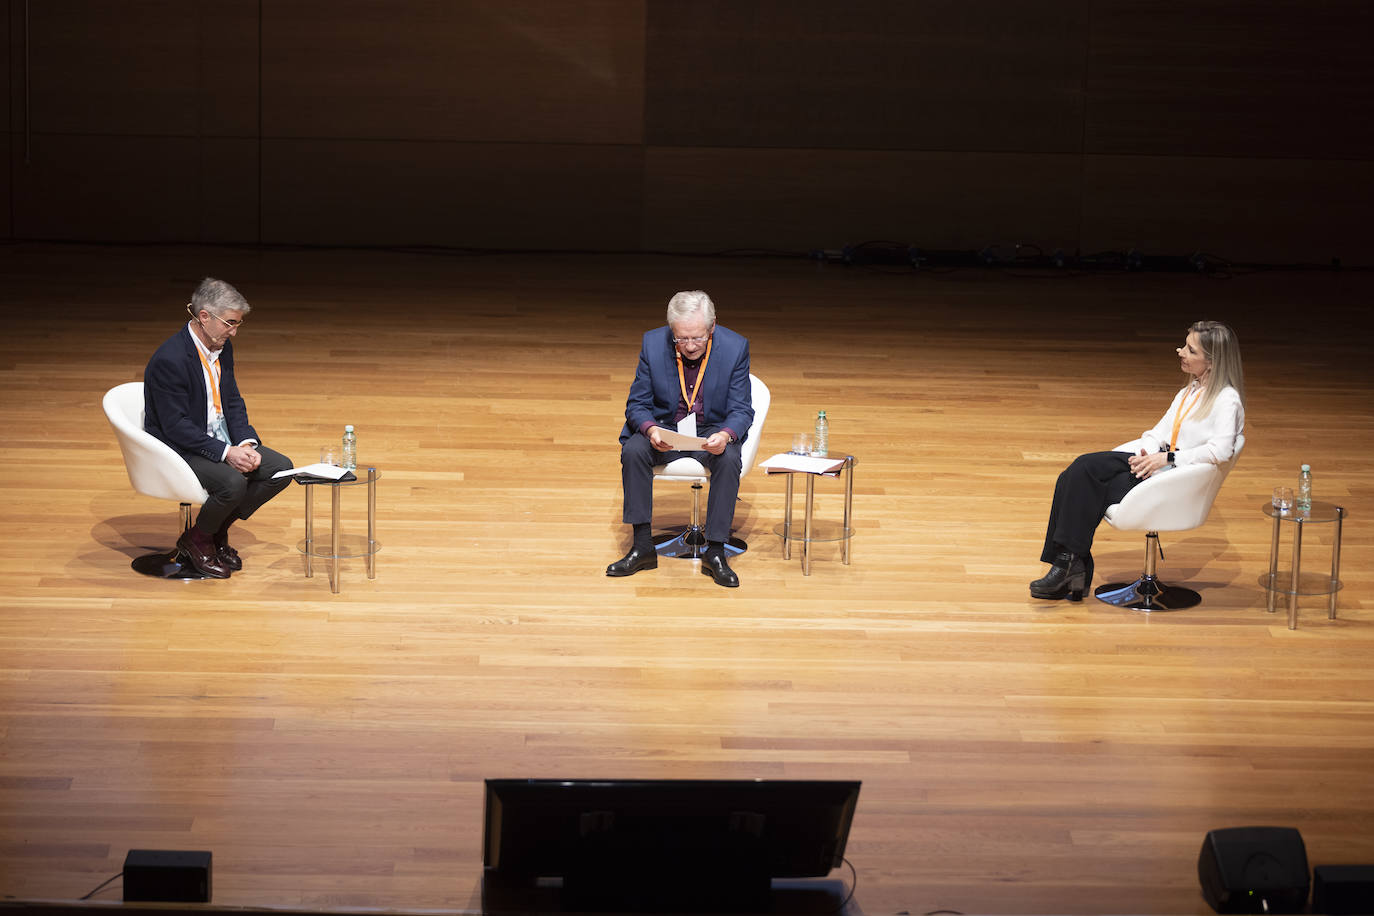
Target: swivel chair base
172,564
690,542
1147,594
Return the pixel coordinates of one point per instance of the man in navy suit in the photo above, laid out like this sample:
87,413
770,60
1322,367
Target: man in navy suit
688,369
191,401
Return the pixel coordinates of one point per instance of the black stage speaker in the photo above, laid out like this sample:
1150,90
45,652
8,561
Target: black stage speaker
1254,870
167,876
1341,889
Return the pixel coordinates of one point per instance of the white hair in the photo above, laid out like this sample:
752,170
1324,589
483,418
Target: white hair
689,303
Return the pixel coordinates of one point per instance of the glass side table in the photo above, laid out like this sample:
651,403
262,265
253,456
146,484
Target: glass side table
339,547
1293,583
810,533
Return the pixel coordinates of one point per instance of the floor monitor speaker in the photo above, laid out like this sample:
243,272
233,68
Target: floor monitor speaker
1254,870
1341,889
171,876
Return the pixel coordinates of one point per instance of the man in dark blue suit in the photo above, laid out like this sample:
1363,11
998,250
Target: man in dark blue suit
191,401
689,368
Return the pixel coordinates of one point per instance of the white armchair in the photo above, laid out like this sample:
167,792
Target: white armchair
690,542
1176,500
155,469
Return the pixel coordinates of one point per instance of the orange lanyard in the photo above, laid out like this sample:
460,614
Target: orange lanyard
1180,415
213,371
701,374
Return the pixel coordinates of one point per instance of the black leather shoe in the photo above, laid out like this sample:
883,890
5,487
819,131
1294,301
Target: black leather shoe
228,557
202,556
714,565
638,558
1068,578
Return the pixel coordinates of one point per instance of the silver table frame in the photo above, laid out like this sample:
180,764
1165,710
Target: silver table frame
847,532
336,553
1320,513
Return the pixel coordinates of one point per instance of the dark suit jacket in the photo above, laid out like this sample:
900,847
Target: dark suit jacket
174,398
725,391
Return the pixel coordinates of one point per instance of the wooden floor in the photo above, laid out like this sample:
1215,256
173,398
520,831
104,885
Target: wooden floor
1017,756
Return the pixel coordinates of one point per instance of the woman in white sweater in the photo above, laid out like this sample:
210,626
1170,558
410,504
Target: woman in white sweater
1200,427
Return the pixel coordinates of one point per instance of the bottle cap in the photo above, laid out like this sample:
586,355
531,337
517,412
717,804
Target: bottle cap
1307,467
348,429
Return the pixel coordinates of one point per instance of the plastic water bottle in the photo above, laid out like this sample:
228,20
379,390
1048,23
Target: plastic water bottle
350,449
1303,497
821,448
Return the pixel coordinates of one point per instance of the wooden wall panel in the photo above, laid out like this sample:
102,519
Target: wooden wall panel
7,112
697,199
764,123
1238,78
940,75
147,67
138,189
491,195
1267,210
9,64
494,70
6,201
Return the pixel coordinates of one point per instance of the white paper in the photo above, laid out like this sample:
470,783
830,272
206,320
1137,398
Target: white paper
688,425
327,471
680,442
803,463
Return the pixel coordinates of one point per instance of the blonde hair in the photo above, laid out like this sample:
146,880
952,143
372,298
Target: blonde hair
1222,350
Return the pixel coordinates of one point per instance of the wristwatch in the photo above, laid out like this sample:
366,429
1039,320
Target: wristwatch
1170,458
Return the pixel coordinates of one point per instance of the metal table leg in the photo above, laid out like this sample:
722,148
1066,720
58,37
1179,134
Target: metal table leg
806,525
309,531
371,523
1297,575
334,539
1335,563
848,507
787,522
1274,566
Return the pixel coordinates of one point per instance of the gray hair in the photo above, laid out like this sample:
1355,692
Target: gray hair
689,303
218,297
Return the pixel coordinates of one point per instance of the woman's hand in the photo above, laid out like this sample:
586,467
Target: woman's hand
1146,463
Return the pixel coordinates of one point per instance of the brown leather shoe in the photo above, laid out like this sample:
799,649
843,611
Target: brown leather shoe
228,557
200,550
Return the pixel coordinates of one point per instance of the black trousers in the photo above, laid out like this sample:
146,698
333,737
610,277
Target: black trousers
234,494
1081,495
638,458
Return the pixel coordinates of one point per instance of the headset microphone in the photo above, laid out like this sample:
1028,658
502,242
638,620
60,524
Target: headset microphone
197,319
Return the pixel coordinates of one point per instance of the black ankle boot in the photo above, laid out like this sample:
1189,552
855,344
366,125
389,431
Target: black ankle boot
1067,578
1059,567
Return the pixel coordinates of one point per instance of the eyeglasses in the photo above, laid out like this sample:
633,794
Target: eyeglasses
231,325
691,340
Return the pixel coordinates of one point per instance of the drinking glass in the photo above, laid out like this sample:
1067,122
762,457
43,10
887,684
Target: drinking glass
801,444
329,454
1283,498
